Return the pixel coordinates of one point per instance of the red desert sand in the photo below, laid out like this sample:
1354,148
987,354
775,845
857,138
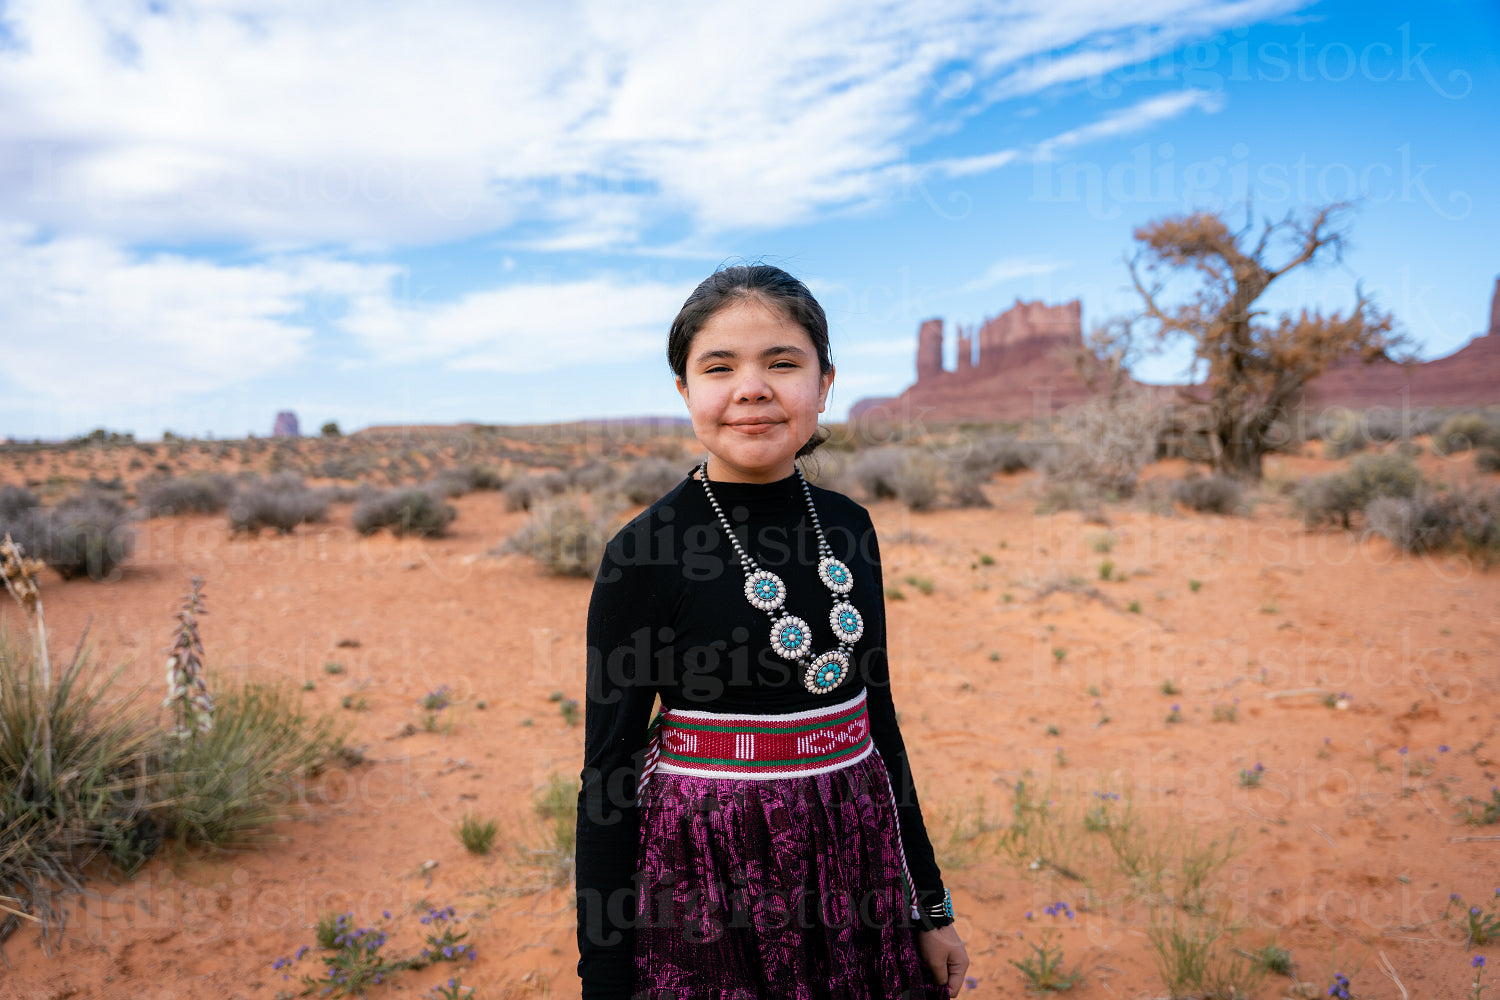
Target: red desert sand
1174,661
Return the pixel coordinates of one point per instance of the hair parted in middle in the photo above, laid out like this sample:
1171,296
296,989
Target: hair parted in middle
767,283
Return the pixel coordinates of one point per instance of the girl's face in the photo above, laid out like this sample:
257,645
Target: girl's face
754,391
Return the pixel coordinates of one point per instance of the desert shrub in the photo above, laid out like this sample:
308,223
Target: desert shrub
88,534
1477,513
1464,431
1004,453
528,491
201,494
1334,499
1487,460
649,479
564,537
223,787
406,511
910,475
1326,500
1421,523
21,516
1345,432
1104,443
594,475
965,487
1216,494
916,479
874,469
465,479
281,502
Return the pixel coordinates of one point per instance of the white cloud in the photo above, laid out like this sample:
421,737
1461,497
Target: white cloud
525,327
86,323
1011,268
571,125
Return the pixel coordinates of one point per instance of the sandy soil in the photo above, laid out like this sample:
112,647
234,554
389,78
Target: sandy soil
1020,659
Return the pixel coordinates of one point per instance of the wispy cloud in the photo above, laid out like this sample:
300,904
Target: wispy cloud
569,126
1011,268
524,327
87,322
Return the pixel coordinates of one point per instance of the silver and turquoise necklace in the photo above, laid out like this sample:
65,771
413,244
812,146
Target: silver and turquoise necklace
791,638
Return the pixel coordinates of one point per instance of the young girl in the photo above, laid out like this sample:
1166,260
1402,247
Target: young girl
761,838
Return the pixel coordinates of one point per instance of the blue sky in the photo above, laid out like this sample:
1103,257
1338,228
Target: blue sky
211,211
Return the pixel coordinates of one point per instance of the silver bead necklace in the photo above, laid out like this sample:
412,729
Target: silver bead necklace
791,638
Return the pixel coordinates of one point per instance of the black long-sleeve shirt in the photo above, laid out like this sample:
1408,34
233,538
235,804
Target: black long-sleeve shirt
669,618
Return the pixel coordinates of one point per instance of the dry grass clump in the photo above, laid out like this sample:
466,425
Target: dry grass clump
564,537
87,776
281,502
406,511
198,494
1216,494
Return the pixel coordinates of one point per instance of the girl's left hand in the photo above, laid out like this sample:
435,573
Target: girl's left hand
943,952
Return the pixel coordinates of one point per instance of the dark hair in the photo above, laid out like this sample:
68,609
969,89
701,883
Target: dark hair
770,285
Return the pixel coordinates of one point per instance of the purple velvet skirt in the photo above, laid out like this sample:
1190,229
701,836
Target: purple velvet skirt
775,889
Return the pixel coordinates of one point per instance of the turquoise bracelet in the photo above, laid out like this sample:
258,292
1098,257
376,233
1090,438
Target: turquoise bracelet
938,911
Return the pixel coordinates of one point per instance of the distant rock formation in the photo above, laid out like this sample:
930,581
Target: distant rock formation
1025,367
285,426
1468,377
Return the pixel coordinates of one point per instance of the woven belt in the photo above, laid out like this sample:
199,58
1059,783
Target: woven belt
760,747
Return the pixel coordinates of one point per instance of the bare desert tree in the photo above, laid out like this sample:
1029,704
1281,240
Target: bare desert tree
1256,368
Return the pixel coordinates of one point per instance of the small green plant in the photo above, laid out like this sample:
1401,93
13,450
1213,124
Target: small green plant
549,863
1106,569
434,701
1135,607
1273,958
309,685
1477,964
922,584
1197,957
568,708
1053,730
994,656
477,835
1169,687
894,594
1250,776
1059,654
333,667
1480,925
1477,812
354,703
1175,715
1043,968
985,559
1226,713
1102,543
354,960
1195,585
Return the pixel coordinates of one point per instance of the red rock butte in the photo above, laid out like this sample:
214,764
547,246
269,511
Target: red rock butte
1017,365
1022,364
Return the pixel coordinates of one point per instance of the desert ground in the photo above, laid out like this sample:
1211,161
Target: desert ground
1291,732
